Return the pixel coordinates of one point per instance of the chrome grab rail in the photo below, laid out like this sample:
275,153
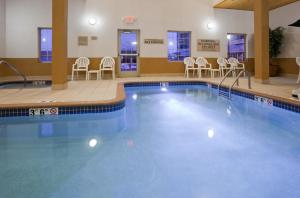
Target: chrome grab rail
224,78
15,70
236,81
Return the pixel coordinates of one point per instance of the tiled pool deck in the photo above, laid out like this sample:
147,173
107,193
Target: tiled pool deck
109,91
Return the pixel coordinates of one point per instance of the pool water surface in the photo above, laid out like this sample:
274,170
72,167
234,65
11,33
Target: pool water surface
170,142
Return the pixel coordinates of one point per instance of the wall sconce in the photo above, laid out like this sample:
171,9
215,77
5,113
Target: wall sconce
92,21
210,26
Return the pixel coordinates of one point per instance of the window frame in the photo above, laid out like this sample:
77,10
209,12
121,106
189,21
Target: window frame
39,44
190,44
245,44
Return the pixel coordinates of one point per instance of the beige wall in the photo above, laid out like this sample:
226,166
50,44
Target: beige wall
24,17
283,17
291,46
2,28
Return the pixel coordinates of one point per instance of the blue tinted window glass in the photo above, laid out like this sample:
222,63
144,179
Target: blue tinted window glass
45,35
236,46
179,45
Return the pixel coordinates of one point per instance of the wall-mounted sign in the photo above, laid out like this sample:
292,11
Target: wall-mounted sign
83,40
129,19
94,38
208,45
154,41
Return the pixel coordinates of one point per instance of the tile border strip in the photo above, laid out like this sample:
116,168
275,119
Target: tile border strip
69,108
236,91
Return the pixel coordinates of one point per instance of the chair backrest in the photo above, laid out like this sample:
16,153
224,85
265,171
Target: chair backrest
82,63
107,62
233,62
298,61
189,62
222,62
201,62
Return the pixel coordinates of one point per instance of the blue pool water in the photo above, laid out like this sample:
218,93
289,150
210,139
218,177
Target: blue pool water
183,142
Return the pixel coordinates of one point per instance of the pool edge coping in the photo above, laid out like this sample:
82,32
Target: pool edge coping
121,97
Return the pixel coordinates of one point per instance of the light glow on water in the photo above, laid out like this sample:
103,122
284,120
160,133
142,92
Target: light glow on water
164,89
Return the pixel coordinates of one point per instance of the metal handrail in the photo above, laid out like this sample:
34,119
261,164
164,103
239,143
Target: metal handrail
224,78
15,70
236,81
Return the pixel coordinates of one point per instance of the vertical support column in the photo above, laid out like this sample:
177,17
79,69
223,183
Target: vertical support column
59,44
261,36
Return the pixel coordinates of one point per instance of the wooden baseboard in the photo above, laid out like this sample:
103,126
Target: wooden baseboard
60,86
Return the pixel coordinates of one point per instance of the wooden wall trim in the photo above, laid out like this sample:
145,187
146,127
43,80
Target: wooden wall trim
149,66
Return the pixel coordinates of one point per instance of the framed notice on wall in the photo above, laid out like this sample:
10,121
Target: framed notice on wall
154,41
208,45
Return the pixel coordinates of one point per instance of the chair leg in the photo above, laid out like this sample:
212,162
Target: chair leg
72,75
298,78
113,74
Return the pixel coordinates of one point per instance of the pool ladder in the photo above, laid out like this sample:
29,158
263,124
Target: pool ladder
226,92
15,70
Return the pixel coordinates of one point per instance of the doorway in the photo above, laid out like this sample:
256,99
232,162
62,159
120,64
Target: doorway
129,51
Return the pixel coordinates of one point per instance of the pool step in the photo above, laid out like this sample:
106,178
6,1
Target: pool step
224,94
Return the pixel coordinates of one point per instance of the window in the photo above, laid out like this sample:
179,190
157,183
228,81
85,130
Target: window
237,46
179,45
45,44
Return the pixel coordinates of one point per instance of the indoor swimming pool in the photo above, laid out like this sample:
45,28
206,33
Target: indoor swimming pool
168,142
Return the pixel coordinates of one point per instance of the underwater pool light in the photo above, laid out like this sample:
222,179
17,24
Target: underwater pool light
134,96
93,142
211,133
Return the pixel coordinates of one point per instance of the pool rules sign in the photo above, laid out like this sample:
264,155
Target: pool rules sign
208,45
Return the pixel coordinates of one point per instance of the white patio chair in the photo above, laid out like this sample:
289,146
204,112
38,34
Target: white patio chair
298,63
81,65
189,65
203,65
236,65
216,70
107,64
223,65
